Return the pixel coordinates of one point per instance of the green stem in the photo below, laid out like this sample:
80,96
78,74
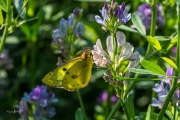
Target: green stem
166,102
149,49
153,28
8,21
81,104
115,108
173,88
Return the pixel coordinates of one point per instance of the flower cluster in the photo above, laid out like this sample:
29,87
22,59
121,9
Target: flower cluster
118,58
113,16
69,29
5,61
40,101
163,88
145,13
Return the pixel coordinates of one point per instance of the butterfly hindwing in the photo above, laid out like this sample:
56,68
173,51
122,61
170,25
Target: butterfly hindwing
55,77
75,80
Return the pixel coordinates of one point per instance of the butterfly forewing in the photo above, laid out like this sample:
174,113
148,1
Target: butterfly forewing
55,77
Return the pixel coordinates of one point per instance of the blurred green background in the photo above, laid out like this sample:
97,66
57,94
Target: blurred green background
29,46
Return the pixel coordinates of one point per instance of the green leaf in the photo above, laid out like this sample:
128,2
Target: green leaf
154,42
19,6
138,23
142,71
162,38
153,116
148,114
170,62
1,17
153,67
78,114
124,27
130,107
169,114
3,5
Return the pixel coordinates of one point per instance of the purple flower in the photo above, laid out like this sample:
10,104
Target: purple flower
104,96
68,28
163,88
77,12
173,51
114,99
113,16
169,73
5,61
35,94
123,16
42,100
145,12
104,14
24,109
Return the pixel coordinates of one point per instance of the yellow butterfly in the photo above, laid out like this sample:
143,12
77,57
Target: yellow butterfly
73,75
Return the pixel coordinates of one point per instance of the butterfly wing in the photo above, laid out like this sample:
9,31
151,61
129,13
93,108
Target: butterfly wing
78,76
55,77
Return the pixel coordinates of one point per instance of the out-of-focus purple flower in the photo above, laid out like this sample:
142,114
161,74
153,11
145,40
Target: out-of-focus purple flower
70,27
174,49
77,12
24,113
163,88
42,100
145,13
177,97
104,96
5,61
114,99
79,29
35,94
113,16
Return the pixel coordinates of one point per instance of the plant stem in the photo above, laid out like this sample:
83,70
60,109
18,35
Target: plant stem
149,49
8,20
115,108
173,88
153,27
81,104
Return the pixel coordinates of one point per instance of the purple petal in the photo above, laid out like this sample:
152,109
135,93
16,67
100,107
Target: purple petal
158,88
99,20
169,72
156,103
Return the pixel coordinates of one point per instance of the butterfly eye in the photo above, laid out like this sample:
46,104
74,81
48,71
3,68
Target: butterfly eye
90,54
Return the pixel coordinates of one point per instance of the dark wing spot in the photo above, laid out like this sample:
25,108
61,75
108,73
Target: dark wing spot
84,66
67,72
74,76
64,69
50,73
